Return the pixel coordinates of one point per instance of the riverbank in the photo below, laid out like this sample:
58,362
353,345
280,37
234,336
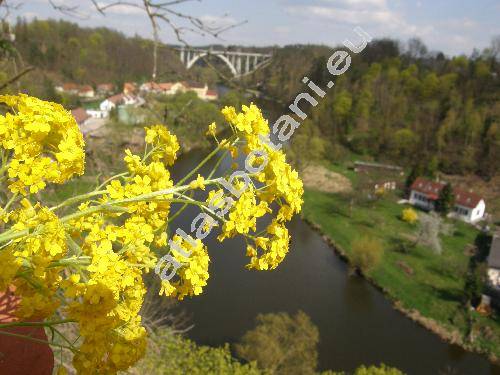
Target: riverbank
422,285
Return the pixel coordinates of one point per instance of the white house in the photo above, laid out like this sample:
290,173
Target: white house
468,207
111,102
86,91
81,116
494,263
97,113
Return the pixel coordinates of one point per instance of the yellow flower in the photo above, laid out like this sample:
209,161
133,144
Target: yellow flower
212,128
36,130
199,183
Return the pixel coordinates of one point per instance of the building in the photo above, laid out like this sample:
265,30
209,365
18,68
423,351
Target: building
129,88
86,91
97,113
198,88
81,116
386,185
83,91
468,207
119,99
112,102
211,95
369,167
165,88
493,262
68,88
105,89
172,88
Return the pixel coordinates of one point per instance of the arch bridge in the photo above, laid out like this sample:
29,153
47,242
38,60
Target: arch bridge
240,63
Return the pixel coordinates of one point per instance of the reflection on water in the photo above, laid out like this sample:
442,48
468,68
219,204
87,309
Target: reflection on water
357,324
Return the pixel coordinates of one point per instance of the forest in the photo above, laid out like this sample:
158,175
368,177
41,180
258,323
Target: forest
399,102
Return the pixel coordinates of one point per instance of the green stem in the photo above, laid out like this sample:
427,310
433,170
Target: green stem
78,198
36,324
217,165
36,340
111,179
204,161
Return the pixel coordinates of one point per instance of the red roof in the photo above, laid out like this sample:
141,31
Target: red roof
69,86
467,199
427,187
86,88
211,93
431,190
116,98
80,115
106,86
129,86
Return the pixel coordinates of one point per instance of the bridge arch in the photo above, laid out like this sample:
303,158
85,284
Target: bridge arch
220,56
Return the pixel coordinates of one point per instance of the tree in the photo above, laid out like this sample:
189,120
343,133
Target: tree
430,227
282,344
415,172
171,354
475,279
445,200
377,370
366,254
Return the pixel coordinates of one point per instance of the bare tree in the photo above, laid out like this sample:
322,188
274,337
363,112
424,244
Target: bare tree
431,226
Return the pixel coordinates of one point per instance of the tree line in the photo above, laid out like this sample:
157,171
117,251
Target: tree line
401,104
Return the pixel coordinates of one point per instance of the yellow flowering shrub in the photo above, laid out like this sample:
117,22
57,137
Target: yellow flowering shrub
83,261
409,215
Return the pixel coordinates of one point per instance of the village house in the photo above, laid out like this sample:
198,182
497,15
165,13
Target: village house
172,88
120,99
83,91
86,91
112,102
380,177
198,88
211,95
105,89
68,88
165,88
129,88
386,185
468,207
81,116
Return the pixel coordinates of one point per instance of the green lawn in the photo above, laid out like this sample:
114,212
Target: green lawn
436,285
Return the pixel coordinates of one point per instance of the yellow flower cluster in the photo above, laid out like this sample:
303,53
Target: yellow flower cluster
44,142
280,185
107,304
87,267
193,274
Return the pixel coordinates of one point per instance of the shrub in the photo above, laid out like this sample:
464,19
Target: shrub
366,254
409,215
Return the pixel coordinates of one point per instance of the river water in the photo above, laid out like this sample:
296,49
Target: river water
357,324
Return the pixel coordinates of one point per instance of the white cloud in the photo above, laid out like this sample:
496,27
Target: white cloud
360,3
217,21
282,29
374,13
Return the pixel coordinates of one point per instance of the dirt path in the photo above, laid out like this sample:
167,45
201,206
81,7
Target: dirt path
319,178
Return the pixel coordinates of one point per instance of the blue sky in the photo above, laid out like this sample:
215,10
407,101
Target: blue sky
451,26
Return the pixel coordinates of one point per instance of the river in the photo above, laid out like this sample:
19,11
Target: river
357,324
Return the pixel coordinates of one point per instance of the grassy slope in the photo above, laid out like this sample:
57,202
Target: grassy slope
435,288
